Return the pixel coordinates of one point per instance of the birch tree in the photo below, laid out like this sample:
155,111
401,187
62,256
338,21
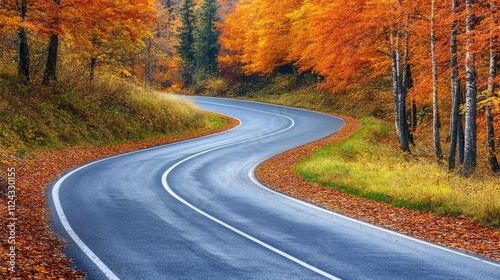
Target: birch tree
490,133
470,149
435,108
455,89
400,92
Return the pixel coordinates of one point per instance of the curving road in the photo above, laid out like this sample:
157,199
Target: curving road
193,210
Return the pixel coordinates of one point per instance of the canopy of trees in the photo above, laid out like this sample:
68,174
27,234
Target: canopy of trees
138,39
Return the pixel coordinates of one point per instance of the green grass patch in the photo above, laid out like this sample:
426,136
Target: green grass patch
76,112
363,166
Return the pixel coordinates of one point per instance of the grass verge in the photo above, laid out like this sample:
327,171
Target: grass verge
360,165
76,112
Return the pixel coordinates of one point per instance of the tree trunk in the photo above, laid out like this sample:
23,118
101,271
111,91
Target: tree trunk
460,125
455,91
492,158
399,94
461,141
455,122
23,67
50,73
413,115
93,62
149,64
470,151
435,108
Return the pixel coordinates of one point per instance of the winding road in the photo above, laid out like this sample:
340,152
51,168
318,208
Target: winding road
194,210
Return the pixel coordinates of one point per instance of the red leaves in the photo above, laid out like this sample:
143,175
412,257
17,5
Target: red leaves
452,232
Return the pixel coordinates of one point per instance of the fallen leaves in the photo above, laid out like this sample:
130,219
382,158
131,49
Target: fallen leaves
457,233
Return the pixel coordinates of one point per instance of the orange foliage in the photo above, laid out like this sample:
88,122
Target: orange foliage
10,17
116,21
349,42
341,40
257,35
338,39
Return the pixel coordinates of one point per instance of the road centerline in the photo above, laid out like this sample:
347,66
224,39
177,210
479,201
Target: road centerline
235,230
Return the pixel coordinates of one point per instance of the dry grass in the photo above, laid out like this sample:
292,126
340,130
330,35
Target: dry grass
363,166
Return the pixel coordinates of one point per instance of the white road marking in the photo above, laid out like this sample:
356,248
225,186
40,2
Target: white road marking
249,237
64,221
251,175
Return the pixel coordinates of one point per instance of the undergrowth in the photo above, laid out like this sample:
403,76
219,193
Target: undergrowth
76,112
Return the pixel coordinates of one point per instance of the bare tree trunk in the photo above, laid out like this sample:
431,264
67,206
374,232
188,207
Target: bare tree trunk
399,96
470,149
460,125
490,133
23,67
406,85
461,141
455,90
148,65
413,115
50,73
435,108
93,63
492,158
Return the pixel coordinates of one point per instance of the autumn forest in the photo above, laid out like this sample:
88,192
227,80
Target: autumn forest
416,81
433,51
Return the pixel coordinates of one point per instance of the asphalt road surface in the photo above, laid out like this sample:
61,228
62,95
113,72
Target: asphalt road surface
193,210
